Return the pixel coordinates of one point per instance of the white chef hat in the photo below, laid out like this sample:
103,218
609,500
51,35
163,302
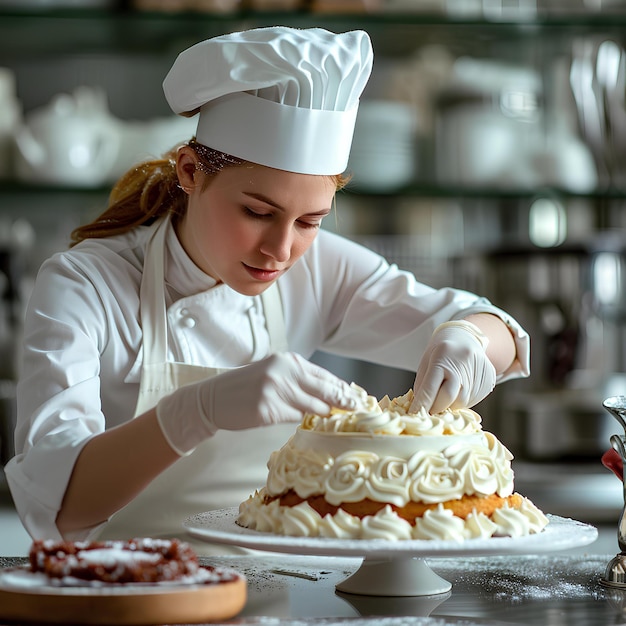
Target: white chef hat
282,97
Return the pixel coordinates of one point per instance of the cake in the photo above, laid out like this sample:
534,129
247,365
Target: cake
141,560
381,472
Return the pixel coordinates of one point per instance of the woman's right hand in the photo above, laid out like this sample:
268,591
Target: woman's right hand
279,388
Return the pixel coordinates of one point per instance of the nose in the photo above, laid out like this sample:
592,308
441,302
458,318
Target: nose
277,243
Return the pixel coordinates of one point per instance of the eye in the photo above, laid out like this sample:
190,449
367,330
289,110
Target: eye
255,214
312,225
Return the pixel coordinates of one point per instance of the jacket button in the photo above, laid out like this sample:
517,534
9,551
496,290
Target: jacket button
189,322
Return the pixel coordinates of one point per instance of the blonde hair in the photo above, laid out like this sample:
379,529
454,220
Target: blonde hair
151,189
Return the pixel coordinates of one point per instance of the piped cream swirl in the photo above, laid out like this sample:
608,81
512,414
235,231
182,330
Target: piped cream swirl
436,524
392,417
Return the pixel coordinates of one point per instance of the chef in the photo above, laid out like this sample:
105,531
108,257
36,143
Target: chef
165,353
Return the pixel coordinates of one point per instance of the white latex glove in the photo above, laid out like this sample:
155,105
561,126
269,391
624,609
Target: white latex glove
280,388
454,372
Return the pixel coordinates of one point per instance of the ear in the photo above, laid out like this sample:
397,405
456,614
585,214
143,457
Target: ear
186,168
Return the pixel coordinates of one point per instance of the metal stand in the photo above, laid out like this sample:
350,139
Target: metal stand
615,573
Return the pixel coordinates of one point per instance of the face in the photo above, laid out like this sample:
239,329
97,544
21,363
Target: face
252,223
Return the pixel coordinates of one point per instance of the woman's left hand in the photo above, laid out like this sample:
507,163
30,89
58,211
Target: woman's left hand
455,371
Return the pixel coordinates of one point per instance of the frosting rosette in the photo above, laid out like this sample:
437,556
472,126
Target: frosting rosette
433,479
348,479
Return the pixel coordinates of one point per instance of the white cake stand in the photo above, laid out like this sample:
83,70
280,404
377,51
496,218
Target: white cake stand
390,568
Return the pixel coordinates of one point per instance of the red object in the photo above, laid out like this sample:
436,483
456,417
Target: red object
612,460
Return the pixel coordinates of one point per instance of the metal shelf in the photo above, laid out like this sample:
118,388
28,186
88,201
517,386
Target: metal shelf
57,48
421,190
36,32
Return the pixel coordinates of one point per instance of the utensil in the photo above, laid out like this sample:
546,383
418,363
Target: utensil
589,102
10,119
610,73
615,573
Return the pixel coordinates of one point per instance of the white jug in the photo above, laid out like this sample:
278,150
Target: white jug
74,141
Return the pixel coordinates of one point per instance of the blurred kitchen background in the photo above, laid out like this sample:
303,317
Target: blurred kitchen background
489,154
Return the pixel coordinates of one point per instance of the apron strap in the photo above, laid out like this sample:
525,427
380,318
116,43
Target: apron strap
274,319
152,292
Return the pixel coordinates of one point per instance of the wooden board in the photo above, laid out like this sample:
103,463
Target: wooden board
118,604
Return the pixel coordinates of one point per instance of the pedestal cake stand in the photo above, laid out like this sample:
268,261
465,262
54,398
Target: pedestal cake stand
390,568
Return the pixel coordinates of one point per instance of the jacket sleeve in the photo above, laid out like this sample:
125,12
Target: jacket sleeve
58,395
365,308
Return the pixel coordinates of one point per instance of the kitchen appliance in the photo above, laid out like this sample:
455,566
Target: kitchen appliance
615,573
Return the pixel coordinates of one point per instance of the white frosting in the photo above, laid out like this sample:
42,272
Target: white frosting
479,526
388,468
383,453
436,524
392,417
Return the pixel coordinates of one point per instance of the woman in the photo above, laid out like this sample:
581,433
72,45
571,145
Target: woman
165,352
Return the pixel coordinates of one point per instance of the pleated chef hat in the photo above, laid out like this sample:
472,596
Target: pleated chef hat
282,97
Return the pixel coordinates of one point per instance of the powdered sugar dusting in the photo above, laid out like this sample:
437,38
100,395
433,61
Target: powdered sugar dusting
21,578
112,556
528,577
371,621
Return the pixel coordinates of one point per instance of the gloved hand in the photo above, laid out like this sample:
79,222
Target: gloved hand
280,388
454,371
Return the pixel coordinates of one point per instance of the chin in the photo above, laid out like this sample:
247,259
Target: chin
254,289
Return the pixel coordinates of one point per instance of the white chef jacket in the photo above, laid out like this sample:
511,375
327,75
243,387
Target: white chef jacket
82,352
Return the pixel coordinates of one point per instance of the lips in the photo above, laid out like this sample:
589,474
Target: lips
261,274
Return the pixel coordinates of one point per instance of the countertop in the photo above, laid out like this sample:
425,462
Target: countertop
552,589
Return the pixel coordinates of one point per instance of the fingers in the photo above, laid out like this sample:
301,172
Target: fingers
455,371
322,385
300,402
449,396
291,386
425,388
438,391
443,389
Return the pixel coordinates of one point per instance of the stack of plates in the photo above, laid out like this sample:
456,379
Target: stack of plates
383,156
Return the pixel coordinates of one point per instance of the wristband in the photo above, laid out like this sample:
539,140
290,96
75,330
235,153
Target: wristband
469,327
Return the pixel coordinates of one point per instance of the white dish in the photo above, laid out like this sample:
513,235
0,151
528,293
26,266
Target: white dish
219,526
390,568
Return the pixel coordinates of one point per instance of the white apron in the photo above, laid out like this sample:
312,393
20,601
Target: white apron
223,470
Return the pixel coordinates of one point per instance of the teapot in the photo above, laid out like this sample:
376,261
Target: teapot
74,140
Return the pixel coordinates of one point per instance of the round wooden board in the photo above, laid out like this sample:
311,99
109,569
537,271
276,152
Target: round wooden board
126,604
